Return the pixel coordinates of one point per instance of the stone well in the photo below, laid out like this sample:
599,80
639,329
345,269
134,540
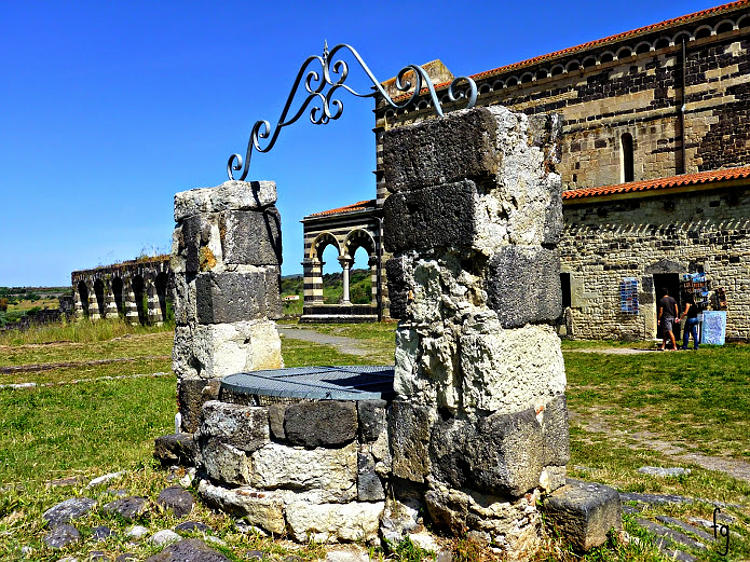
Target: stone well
469,428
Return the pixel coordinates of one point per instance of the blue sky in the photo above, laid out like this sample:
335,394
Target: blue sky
109,108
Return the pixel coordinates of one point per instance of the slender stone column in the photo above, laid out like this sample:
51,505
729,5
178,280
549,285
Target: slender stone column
110,307
346,265
78,311
129,304
313,281
373,263
154,307
473,222
226,257
93,303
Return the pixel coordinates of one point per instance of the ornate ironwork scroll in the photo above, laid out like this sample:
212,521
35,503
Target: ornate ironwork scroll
322,86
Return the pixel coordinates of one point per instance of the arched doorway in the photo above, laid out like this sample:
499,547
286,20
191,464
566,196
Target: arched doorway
83,293
99,292
141,303
117,287
161,283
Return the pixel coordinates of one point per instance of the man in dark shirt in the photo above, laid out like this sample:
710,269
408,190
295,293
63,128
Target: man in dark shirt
667,314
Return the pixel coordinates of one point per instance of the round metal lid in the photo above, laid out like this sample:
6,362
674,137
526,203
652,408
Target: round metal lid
317,383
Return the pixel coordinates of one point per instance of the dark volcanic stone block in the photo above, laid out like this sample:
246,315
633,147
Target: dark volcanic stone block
501,453
458,146
523,285
369,486
175,449
234,297
555,432
251,237
191,394
188,550
584,512
371,415
193,234
398,290
327,423
443,215
178,500
409,427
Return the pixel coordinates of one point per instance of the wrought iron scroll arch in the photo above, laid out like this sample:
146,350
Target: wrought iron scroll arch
333,74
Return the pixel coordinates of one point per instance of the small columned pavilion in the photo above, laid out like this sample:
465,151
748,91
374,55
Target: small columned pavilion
347,229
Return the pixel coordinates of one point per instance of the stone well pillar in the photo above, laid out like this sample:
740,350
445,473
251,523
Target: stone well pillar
473,222
373,262
226,258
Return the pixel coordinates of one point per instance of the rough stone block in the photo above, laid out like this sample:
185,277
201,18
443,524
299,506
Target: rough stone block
508,371
225,464
264,509
372,419
185,310
437,216
327,423
330,472
500,454
555,432
235,297
217,350
409,426
329,523
191,395
398,289
276,413
369,486
523,285
230,195
251,237
458,146
175,449
584,512
244,427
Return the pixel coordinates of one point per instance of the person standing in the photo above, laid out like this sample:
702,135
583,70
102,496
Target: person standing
668,311
691,326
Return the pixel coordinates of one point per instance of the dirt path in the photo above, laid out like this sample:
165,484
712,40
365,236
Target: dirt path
349,346
647,440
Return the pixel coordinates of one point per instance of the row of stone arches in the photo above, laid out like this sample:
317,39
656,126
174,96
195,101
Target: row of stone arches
345,251
139,299
742,21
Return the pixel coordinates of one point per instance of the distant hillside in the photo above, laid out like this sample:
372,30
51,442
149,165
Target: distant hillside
359,289
17,302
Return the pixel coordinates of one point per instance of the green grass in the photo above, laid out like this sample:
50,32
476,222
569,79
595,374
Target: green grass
78,331
50,432
699,400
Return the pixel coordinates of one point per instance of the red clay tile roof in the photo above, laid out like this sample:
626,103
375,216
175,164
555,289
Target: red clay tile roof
660,183
599,42
358,206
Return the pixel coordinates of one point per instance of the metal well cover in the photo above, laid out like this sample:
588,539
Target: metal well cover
318,383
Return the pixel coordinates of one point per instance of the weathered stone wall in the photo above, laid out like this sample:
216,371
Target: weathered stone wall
480,421
603,242
631,85
315,469
137,290
226,258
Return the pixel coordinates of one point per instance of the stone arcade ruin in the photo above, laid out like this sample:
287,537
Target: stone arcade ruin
473,432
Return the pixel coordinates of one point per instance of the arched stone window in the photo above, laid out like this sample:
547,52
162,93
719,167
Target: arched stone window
627,166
